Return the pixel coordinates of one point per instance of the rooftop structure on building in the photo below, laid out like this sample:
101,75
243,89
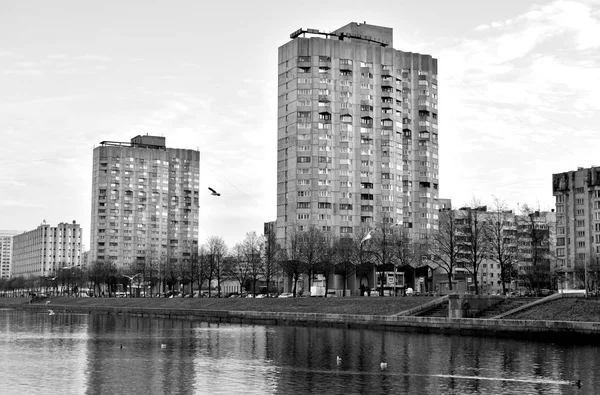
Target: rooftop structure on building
145,202
357,133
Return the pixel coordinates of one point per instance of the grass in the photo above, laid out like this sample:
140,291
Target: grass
346,305
566,309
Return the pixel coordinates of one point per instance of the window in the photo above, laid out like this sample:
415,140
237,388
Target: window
324,205
345,206
303,205
304,159
345,229
303,216
366,196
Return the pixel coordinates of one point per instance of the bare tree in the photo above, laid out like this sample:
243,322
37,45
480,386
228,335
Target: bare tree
251,248
534,236
445,246
290,261
381,247
312,251
216,250
271,251
346,257
476,237
201,268
241,269
503,241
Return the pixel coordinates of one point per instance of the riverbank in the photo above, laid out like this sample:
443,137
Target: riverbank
367,313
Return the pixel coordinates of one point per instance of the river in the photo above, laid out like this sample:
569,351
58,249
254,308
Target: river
108,354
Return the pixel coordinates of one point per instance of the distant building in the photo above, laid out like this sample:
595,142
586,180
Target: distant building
6,247
357,133
527,241
577,226
145,202
45,250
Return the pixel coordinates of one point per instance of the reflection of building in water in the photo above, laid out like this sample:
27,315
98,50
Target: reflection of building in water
142,366
236,355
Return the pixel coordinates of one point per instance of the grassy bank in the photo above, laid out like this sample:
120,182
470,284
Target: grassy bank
569,309
348,305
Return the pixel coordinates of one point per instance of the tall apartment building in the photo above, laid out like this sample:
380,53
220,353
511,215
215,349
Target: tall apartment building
145,201
357,133
45,250
6,246
577,224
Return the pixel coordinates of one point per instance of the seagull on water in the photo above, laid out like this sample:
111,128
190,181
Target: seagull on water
383,366
50,312
213,192
339,360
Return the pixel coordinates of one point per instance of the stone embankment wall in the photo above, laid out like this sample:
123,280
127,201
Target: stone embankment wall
539,330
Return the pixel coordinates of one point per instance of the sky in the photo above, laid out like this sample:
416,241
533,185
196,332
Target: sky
518,96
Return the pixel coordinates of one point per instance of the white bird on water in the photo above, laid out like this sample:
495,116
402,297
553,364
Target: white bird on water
50,312
339,360
383,366
163,345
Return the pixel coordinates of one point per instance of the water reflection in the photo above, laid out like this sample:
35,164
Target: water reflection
68,353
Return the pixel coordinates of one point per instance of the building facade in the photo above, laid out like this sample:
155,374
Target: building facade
46,250
577,226
145,202
525,242
357,133
6,247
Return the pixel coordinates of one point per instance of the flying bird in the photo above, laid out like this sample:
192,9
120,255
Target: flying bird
51,312
47,302
213,192
367,237
383,366
339,360
163,346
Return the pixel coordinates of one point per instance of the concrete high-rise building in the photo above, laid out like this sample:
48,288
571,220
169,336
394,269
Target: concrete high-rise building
357,133
577,226
145,202
6,247
47,249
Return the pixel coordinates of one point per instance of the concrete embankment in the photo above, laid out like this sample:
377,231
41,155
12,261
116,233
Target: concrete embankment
567,331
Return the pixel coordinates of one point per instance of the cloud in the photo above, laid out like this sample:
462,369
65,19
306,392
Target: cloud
517,92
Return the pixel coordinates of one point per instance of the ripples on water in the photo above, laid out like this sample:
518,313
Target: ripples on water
108,354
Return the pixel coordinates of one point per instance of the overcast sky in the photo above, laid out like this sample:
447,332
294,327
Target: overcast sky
519,95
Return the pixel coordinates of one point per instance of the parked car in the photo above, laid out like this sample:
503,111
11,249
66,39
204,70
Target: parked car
261,296
286,295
